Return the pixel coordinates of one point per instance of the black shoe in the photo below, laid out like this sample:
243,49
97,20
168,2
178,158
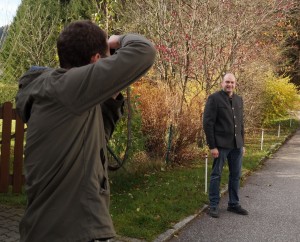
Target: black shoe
214,212
237,209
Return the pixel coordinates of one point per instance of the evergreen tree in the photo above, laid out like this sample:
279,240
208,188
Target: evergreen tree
31,38
290,62
294,50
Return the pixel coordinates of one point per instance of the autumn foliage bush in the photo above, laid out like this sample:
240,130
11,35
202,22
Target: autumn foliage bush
188,127
160,109
151,101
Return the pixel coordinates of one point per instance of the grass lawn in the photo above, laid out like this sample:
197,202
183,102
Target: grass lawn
146,204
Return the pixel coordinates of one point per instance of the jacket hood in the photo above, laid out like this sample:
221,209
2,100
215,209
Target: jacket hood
27,82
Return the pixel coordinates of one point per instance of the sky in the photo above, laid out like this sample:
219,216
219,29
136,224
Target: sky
8,10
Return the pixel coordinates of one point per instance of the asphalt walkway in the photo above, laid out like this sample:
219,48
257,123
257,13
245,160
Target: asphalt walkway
272,197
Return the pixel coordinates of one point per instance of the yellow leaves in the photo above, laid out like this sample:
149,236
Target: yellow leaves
280,97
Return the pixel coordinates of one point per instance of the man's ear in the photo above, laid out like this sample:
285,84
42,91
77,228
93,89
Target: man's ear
95,58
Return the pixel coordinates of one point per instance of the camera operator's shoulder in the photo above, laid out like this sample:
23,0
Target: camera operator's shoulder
58,71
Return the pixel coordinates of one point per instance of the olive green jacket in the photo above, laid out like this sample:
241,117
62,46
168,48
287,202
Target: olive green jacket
65,153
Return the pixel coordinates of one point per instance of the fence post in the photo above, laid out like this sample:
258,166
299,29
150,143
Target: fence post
278,130
290,122
206,173
262,139
5,146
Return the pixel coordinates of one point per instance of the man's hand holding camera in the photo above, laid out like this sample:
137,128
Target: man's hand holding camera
114,42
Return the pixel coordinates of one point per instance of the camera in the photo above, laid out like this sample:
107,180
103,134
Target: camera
112,51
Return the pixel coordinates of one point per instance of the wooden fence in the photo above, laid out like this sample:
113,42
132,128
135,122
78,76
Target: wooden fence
11,157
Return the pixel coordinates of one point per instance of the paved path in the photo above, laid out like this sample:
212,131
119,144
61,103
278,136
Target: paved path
9,223
272,197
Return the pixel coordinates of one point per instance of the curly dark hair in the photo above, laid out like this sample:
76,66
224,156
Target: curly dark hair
78,42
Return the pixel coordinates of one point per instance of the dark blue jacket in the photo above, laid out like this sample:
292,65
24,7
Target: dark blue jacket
223,122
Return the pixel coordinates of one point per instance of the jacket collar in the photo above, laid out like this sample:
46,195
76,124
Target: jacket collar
225,94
